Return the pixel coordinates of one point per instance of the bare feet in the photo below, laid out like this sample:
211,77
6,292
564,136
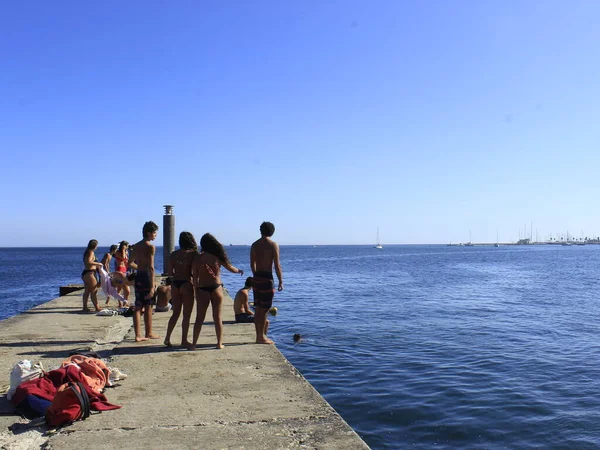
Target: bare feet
186,344
168,343
192,347
140,339
152,336
264,341
220,346
85,310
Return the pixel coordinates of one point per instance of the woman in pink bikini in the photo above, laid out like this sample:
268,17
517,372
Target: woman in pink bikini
121,262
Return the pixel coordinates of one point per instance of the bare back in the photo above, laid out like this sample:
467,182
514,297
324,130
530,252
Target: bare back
143,255
206,269
240,302
262,255
181,264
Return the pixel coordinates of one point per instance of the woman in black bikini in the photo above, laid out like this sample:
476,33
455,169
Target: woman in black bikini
206,271
182,289
89,275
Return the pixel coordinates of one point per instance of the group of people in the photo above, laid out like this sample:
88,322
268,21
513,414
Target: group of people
192,274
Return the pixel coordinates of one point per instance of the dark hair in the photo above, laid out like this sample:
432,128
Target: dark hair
122,245
131,276
149,227
92,244
113,248
210,245
267,229
249,282
187,241
168,281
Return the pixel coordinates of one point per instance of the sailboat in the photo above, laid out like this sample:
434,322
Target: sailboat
496,244
378,245
470,243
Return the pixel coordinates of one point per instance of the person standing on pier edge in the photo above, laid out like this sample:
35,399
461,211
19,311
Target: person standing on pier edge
142,259
182,290
209,289
89,275
264,254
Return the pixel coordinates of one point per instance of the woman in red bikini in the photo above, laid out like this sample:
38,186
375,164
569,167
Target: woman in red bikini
182,289
89,275
121,262
206,271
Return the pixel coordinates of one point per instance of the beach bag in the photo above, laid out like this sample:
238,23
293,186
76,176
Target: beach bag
23,371
70,404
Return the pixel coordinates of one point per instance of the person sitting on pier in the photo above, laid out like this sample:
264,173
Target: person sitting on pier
163,296
241,308
89,276
206,272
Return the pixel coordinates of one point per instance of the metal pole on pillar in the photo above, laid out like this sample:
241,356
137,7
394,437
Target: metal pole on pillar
168,235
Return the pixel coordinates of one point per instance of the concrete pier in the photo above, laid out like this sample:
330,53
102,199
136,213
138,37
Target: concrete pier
245,396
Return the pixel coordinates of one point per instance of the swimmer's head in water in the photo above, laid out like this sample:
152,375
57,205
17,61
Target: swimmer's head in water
187,241
249,282
92,244
148,229
267,229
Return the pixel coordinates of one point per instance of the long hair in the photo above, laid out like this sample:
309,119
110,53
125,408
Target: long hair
113,249
187,241
122,245
209,244
92,245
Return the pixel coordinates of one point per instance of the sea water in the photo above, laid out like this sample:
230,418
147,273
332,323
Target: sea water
418,346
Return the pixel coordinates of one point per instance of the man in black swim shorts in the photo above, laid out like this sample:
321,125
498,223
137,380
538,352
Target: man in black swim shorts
264,255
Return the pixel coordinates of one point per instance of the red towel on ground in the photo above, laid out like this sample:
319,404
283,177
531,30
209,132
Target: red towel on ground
47,386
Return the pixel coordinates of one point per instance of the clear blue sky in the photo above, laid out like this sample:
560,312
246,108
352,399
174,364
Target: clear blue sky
328,118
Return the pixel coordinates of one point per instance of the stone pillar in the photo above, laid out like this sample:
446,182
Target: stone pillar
168,235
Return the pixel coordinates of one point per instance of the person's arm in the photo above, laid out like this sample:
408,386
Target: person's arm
106,261
131,262
170,266
246,306
151,272
277,266
232,269
252,260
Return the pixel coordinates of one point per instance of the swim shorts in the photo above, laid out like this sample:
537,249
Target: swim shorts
143,286
263,289
244,318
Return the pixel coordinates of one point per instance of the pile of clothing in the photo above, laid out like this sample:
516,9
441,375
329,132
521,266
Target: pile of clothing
66,394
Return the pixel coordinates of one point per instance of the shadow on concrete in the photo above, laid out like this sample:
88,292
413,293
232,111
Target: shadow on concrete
43,343
142,348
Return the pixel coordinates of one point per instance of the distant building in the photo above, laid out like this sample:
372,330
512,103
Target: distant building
524,241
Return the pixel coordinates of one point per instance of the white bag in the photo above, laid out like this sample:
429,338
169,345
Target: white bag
23,371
